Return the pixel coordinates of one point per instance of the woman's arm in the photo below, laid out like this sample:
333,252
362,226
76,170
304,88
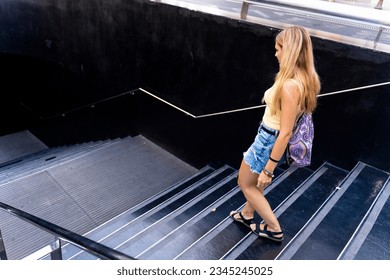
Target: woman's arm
290,99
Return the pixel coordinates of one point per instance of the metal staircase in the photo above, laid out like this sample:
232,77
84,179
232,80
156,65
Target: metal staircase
321,212
326,214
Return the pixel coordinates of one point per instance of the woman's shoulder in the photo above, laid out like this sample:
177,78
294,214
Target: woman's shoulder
293,83
292,86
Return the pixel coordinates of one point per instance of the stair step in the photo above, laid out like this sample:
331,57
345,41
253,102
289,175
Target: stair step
31,156
45,159
87,191
178,241
150,204
153,202
329,213
220,241
371,240
177,220
294,213
18,144
139,223
325,236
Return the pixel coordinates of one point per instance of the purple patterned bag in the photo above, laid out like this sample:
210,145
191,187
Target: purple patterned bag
300,146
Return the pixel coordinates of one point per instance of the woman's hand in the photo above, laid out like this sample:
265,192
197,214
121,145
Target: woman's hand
263,180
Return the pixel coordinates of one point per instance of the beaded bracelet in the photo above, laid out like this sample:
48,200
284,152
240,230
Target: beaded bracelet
269,174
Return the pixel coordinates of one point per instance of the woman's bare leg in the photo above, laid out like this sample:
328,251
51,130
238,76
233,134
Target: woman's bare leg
247,180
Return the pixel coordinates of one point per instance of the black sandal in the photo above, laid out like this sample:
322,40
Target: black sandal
241,218
267,234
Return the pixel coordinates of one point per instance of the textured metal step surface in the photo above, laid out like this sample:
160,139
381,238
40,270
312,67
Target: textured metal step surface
178,241
143,222
44,159
16,145
330,230
293,213
87,191
196,225
175,221
40,196
110,227
119,177
232,233
371,240
150,204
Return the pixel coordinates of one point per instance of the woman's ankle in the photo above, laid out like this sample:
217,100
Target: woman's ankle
247,215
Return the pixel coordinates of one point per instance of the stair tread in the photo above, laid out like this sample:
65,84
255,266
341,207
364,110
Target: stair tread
140,222
286,182
332,228
179,241
88,190
180,221
119,221
376,244
176,221
148,205
295,212
371,241
19,144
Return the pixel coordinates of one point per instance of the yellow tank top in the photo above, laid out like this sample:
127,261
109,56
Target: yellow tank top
272,121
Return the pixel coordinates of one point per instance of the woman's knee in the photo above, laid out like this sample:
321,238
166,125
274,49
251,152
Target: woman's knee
244,185
240,183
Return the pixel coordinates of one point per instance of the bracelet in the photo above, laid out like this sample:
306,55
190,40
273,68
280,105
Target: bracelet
269,174
274,160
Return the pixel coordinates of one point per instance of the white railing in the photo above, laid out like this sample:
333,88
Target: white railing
253,107
344,13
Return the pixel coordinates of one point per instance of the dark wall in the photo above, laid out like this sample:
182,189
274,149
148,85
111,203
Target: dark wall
202,62
206,64
67,53
75,52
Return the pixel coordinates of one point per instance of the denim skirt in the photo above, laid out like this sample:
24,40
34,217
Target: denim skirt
258,153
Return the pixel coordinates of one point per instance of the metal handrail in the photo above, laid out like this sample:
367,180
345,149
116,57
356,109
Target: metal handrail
307,6
254,107
84,106
78,240
379,25
379,22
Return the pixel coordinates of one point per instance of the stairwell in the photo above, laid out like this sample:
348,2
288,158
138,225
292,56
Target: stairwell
326,214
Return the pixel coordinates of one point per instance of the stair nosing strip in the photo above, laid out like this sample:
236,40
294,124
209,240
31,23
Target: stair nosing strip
157,195
282,206
365,226
185,206
296,242
143,204
178,195
299,190
200,214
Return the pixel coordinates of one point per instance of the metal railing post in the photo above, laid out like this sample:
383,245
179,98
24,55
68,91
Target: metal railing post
3,254
378,36
244,10
93,247
56,253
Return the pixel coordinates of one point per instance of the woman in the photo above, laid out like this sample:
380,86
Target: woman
294,91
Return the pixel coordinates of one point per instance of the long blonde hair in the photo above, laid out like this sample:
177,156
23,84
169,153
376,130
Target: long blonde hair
297,62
